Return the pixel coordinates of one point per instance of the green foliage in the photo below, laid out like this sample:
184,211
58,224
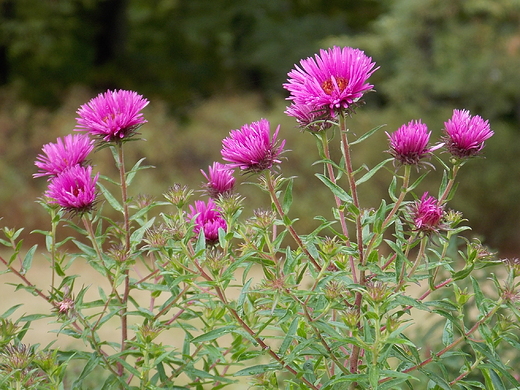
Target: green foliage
366,300
460,53
179,50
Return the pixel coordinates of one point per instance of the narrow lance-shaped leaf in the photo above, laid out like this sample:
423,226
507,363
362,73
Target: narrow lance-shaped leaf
137,236
213,334
447,333
27,261
257,370
367,134
242,297
288,197
10,311
492,380
336,190
137,167
110,198
373,171
289,336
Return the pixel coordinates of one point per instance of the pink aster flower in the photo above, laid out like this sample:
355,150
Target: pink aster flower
251,148
335,79
465,134
220,179
311,118
409,143
207,218
66,152
112,116
74,189
427,214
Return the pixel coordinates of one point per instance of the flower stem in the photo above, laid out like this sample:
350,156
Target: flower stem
126,221
345,148
449,186
332,177
292,232
54,224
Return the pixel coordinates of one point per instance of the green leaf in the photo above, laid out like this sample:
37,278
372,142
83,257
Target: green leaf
447,333
289,336
444,183
330,385
131,174
110,198
479,296
200,245
373,171
336,190
367,134
288,197
27,261
392,188
89,367
418,181
439,381
213,334
89,251
492,380
462,274
137,236
34,317
494,363
10,311
406,300
242,297
259,369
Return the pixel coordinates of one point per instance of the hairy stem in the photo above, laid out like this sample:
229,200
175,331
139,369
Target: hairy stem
126,222
345,148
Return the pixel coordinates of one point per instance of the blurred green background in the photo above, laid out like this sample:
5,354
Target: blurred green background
209,66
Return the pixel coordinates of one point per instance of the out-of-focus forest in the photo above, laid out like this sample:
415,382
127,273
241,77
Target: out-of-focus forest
209,66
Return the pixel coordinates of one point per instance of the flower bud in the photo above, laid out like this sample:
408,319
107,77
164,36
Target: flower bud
178,195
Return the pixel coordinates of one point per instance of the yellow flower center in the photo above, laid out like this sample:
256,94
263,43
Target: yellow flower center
328,86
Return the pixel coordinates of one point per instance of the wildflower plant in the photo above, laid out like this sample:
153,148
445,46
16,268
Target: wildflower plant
204,293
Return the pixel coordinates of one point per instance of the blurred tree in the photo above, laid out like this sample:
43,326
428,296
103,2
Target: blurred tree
462,53
178,49
47,46
6,14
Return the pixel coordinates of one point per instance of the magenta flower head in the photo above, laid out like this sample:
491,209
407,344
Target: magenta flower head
251,148
465,134
207,218
334,79
427,214
409,143
68,151
311,118
113,116
74,189
220,180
